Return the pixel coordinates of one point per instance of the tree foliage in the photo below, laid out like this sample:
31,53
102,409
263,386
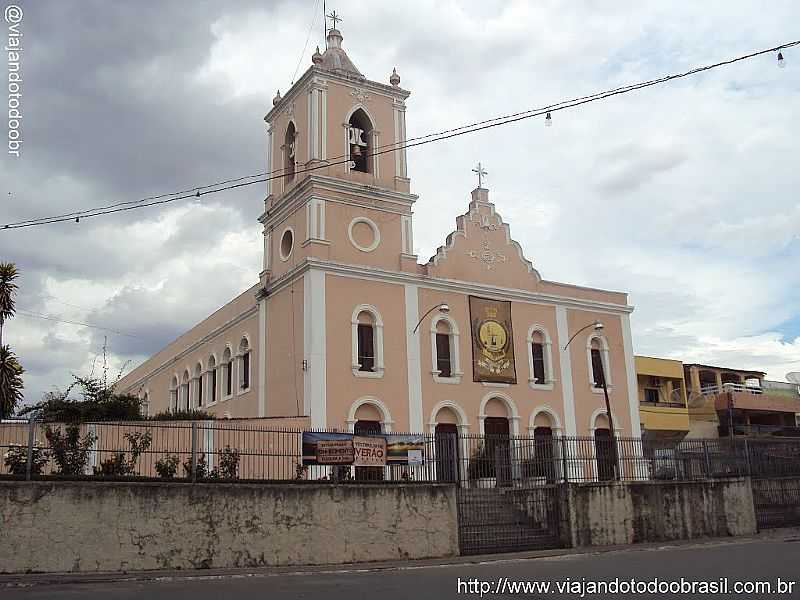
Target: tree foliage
8,273
98,402
11,384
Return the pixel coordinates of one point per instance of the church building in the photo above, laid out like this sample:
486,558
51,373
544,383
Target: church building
346,327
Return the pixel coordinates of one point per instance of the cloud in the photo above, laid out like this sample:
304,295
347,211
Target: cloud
684,194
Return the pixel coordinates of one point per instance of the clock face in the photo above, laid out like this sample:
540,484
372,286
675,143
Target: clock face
492,336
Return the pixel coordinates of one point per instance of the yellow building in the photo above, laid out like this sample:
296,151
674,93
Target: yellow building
662,398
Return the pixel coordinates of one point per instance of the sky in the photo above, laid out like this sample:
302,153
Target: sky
685,195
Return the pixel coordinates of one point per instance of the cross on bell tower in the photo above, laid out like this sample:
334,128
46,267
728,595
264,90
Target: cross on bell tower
481,172
335,18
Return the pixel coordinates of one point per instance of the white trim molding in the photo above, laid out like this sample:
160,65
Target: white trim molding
386,415
262,357
461,416
548,358
511,409
455,355
376,234
314,343
413,358
377,341
285,257
593,421
555,422
630,371
604,357
562,327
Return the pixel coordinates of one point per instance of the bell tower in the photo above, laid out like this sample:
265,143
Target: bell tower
338,179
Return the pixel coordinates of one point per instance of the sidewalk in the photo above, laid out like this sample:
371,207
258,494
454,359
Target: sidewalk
41,579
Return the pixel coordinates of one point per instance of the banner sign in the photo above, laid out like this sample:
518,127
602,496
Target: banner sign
404,449
335,452
369,451
492,341
323,448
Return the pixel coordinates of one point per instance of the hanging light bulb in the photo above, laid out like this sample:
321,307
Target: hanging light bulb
548,120
781,62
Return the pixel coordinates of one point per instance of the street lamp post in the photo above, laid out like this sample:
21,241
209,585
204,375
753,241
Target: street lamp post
443,308
598,326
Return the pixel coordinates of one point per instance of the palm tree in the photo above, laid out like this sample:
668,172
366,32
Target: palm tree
10,382
8,273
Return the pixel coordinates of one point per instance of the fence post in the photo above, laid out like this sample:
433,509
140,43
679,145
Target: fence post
29,463
194,451
747,458
565,473
708,459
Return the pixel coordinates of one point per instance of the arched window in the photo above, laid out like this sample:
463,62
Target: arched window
227,373
289,152
185,391
244,365
367,342
359,141
446,359
599,366
212,379
173,393
540,361
198,385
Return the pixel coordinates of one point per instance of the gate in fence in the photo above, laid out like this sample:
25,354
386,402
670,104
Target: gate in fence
776,502
507,493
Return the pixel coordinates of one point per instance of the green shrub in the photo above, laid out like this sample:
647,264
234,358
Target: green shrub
167,466
16,459
201,471
68,450
182,415
229,463
120,466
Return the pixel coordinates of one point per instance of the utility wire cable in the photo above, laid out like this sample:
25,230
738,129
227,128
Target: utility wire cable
388,148
36,315
308,37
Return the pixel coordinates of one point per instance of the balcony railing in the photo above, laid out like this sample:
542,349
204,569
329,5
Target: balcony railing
712,390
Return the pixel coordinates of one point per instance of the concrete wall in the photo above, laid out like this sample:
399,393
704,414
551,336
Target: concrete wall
612,513
102,526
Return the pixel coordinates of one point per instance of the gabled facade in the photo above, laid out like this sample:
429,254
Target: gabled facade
347,327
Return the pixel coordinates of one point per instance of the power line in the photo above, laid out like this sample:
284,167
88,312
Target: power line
388,148
308,37
36,315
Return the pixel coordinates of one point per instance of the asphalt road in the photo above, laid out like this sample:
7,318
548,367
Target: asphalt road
756,560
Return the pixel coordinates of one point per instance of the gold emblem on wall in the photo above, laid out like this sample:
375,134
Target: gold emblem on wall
492,341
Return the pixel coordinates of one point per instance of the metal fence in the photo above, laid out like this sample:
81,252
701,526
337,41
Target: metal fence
222,450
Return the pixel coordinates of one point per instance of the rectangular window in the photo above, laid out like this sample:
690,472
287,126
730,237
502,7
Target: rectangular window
246,371
650,395
597,368
229,378
443,355
538,363
213,386
366,348
200,391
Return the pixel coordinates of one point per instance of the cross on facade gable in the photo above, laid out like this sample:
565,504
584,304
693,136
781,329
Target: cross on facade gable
481,174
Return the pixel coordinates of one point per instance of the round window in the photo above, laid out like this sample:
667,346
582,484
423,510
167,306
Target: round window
287,243
364,234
